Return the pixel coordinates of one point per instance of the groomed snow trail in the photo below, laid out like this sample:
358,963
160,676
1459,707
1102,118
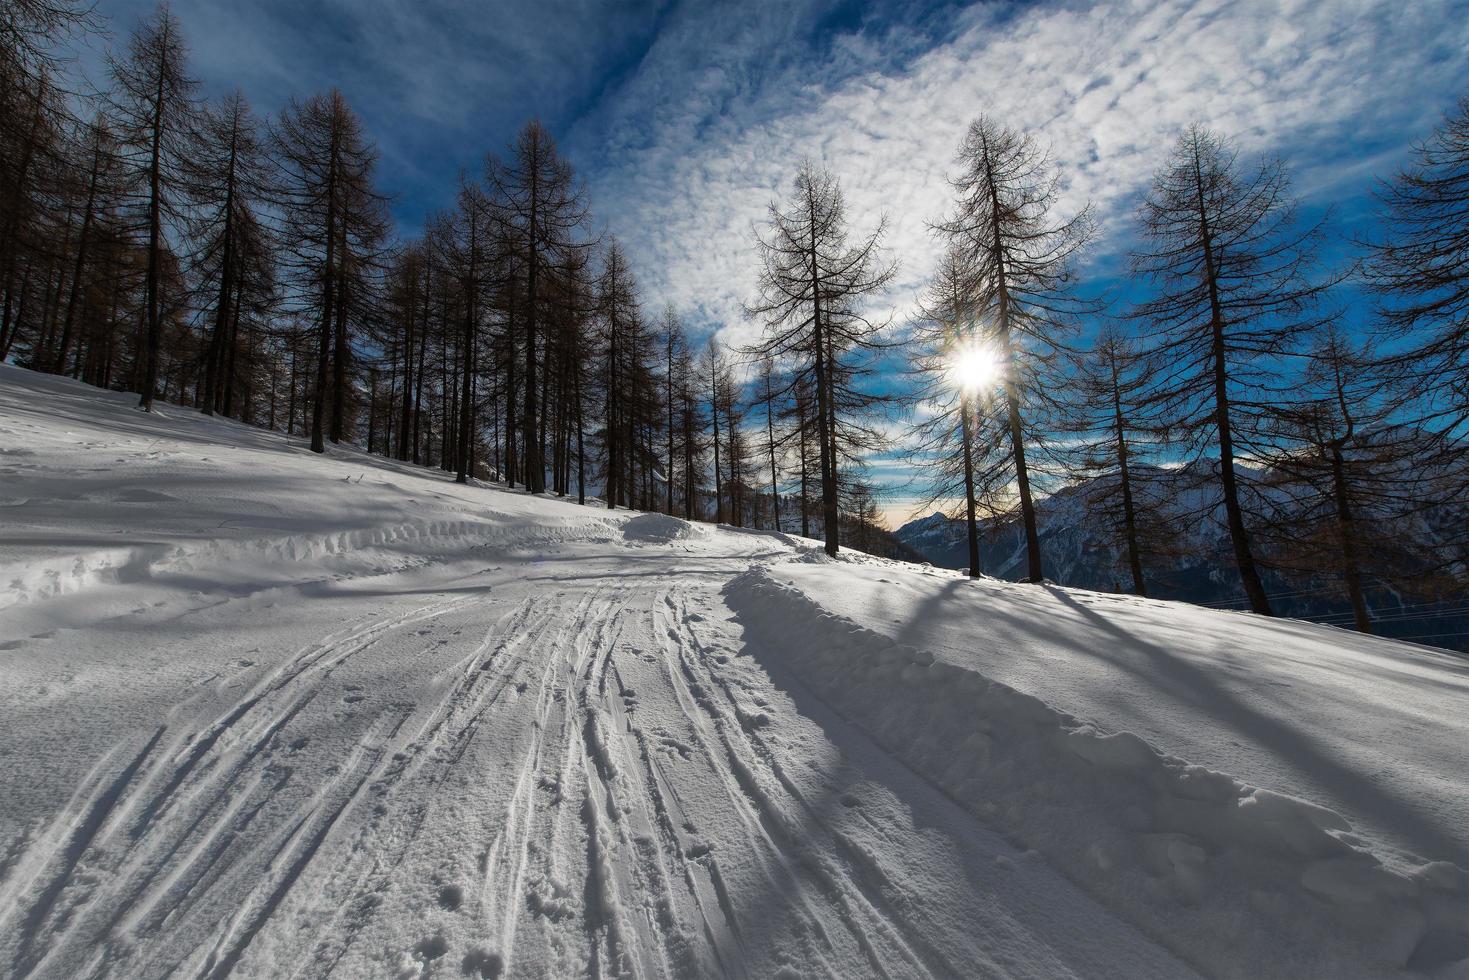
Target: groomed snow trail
530,774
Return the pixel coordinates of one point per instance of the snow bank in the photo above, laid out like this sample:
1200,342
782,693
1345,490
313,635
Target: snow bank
47,579
1241,881
654,528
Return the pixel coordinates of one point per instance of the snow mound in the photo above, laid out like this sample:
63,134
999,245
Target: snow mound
1239,880
42,580
654,528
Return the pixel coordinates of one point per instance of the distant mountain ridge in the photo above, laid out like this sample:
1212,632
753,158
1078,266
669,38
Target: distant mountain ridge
1079,550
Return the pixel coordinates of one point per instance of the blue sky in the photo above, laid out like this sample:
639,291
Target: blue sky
687,118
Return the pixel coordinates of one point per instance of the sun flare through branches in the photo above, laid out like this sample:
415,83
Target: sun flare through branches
973,367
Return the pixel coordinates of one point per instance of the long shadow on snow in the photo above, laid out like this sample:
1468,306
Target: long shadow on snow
1383,808
1181,680
1029,902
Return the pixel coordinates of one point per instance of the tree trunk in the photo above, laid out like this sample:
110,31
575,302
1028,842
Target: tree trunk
328,305
154,328
59,362
466,406
418,374
1244,560
581,456
1124,473
341,354
1035,571
668,474
534,469
406,415
1351,569
970,520
714,415
829,505
770,441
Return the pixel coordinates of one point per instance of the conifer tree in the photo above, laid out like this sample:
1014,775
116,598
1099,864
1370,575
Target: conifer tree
227,180
812,290
1108,436
1233,274
332,229
544,215
1419,272
1021,259
154,109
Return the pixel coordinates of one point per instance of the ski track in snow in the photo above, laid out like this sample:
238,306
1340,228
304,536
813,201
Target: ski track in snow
599,789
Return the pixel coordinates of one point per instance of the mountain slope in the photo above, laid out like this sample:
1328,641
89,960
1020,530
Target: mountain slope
270,714
1192,564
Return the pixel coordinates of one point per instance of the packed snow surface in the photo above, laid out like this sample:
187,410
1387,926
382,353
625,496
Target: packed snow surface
268,714
1377,731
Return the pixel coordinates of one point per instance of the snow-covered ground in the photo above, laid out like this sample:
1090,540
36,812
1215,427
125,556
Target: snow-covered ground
1377,731
268,714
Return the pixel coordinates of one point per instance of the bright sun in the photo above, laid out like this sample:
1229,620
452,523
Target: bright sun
974,367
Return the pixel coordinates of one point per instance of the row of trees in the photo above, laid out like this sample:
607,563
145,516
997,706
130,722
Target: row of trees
1320,455
188,250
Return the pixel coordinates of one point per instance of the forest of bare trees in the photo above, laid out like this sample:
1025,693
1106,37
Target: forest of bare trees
1229,394
200,252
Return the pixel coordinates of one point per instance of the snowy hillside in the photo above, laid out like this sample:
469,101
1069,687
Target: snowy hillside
268,714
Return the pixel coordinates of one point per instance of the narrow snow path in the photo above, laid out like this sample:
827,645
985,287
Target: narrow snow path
566,767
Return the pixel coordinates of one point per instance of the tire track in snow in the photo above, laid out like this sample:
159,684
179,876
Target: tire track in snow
80,841
626,874
784,870
581,764
305,840
664,856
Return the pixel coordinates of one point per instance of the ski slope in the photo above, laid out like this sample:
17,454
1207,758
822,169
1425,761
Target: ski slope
264,714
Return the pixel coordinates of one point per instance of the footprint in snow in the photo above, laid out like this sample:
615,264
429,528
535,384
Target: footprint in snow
482,963
414,963
432,948
451,897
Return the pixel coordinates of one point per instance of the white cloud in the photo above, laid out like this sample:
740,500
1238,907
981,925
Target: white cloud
1107,86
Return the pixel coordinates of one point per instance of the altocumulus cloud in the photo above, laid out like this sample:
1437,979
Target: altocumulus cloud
725,104
689,117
